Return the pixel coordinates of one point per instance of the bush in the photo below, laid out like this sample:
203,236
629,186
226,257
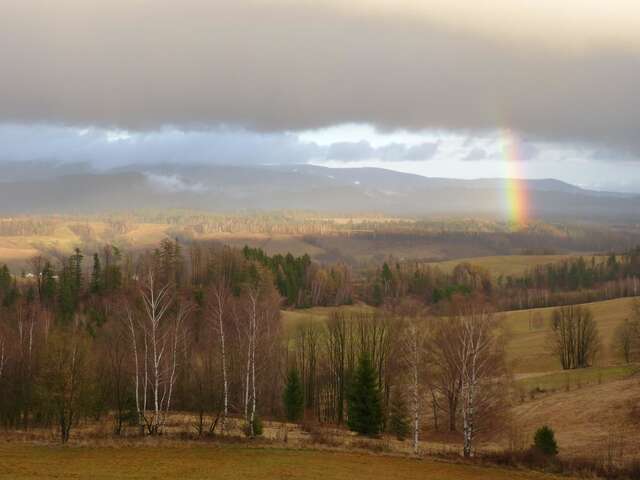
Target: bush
545,441
257,427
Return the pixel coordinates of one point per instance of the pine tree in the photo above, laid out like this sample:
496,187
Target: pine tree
399,423
293,396
365,412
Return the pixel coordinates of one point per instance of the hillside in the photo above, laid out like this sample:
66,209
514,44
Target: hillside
216,188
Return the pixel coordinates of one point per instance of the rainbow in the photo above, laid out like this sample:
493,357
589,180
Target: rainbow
516,194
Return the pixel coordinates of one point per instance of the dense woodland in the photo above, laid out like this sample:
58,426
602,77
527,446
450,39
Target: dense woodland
197,328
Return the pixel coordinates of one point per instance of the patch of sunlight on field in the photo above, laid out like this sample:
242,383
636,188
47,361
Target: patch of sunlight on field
293,318
528,348
185,462
505,264
146,234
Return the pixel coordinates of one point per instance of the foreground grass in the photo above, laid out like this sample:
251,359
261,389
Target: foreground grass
184,462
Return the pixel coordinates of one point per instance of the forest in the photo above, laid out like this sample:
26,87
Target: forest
197,328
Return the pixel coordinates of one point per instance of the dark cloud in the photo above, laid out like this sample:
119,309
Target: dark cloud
424,151
275,66
105,148
475,154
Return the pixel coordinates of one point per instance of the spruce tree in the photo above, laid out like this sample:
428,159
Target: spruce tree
293,396
365,412
48,284
96,275
399,423
545,441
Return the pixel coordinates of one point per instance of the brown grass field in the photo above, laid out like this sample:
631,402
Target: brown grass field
197,461
528,349
588,420
505,264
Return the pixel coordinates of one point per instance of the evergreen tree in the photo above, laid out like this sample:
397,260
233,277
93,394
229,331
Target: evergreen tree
387,278
545,441
365,412
293,396
399,423
96,275
48,283
5,279
75,264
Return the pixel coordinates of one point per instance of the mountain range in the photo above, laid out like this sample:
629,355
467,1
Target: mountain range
45,187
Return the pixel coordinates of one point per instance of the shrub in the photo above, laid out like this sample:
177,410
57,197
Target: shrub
257,427
545,441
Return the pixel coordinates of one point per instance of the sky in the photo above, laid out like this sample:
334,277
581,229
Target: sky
432,87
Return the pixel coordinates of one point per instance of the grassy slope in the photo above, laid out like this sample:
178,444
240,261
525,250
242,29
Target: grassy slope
504,264
20,461
589,419
529,349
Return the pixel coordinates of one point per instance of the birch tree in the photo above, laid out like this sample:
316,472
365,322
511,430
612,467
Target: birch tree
220,295
159,326
478,356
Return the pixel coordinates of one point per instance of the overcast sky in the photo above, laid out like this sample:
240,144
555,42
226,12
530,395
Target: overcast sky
426,86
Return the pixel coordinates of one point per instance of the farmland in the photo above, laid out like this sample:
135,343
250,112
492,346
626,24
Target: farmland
198,461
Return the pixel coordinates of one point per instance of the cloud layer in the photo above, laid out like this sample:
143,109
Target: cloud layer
555,70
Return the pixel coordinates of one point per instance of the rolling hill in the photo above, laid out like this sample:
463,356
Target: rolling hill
305,187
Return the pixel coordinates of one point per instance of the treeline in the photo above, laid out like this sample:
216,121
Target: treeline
567,282
12,227
303,283
573,281
133,339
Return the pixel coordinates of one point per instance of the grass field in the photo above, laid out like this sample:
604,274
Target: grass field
589,419
504,264
184,462
69,232
528,349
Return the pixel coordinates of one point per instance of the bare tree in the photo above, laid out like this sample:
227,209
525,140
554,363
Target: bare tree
444,379
159,326
624,341
574,336
412,351
65,377
220,294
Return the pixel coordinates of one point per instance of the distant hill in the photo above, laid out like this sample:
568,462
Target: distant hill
55,189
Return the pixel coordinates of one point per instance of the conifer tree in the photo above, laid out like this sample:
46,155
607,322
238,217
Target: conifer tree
293,396
48,283
399,423
365,412
96,275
